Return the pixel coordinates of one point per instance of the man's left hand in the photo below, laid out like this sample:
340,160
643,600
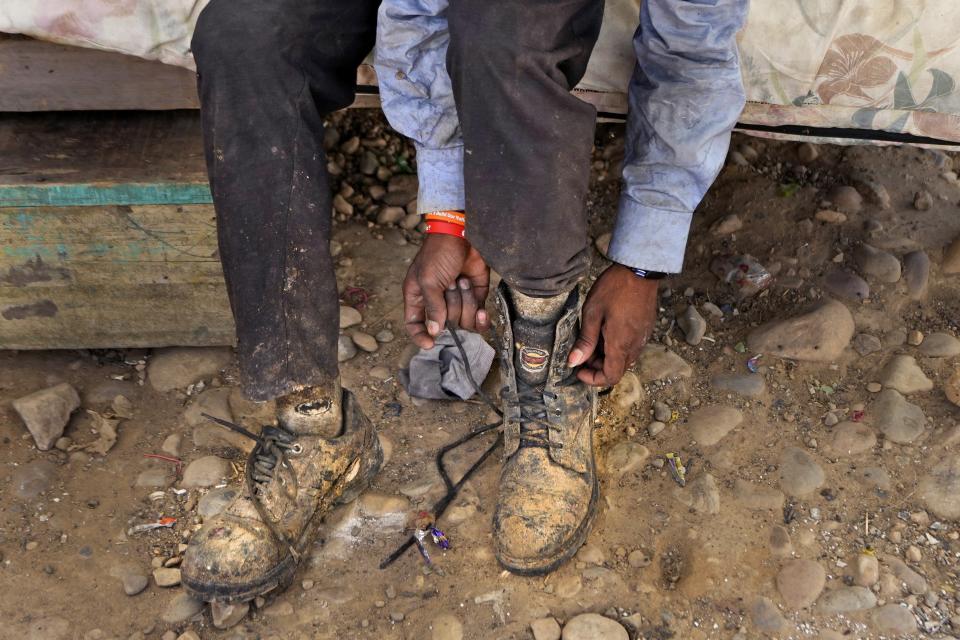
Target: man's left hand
618,318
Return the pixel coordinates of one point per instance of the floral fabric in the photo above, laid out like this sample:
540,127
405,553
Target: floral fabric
889,65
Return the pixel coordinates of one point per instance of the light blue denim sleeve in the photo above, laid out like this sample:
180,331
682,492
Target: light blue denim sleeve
417,95
684,99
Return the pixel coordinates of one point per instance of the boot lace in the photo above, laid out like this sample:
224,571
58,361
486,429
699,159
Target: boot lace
535,428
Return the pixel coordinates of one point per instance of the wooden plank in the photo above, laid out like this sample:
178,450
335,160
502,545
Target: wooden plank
113,276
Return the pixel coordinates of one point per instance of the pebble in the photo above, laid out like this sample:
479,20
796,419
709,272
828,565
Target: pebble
181,608
656,362
410,221
384,336
166,577
951,388
47,412
866,570
693,325
171,444
205,472
545,629
900,421
227,615
662,411
134,583
32,478
807,153
638,559
903,374
846,599
846,285
894,619
215,501
845,198
568,587
940,345
157,477
800,474
819,335
913,554
593,626
349,317
922,200
346,349
627,392
865,344
215,402
852,439
940,488
746,385
365,341
380,372
626,457
179,367
874,387
351,146
874,478
391,215
702,495
779,542
655,427
368,163
446,627
877,264
915,583
830,216
757,496
765,615
800,583
951,258
341,206
727,225
708,425
916,274
915,338
279,609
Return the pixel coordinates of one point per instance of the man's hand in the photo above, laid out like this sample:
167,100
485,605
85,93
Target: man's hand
447,279
618,318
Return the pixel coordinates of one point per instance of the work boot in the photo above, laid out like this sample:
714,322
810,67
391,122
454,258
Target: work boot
548,486
324,452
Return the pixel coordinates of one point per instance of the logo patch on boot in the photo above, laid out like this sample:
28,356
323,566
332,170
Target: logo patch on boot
532,359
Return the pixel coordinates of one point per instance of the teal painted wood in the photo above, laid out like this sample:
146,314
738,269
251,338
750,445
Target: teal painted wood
93,194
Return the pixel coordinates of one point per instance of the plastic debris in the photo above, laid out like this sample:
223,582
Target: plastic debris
162,523
425,530
677,470
744,272
740,347
753,364
857,416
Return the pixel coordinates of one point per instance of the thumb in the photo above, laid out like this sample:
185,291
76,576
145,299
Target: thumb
586,343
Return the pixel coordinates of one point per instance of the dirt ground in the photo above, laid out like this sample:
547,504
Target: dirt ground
783,501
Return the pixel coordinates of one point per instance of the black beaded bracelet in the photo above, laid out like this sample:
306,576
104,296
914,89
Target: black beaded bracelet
648,275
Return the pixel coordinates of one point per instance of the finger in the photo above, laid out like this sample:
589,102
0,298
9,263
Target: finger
586,343
468,312
413,313
454,301
614,364
435,305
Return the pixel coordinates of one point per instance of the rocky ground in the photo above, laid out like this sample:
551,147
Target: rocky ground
804,373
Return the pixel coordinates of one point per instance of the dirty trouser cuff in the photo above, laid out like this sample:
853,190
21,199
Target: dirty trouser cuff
441,179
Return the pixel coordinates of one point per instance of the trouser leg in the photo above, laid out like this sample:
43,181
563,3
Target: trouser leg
527,140
268,74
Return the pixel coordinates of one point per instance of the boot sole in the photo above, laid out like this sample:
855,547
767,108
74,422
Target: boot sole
280,576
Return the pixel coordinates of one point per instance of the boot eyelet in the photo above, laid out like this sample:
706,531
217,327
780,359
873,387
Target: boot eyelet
296,449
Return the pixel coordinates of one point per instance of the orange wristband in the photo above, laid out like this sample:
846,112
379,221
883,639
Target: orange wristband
445,227
456,217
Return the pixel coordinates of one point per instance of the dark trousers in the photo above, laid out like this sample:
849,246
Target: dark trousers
271,70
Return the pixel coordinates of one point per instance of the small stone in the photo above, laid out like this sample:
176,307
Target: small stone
638,559
32,479
397,617
940,345
365,341
951,388
830,216
602,243
852,439
900,421
693,325
227,615
951,258
820,335
800,583
189,634
913,553
47,412
727,225
800,474
712,309
369,163
894,619
846,285
341,206
748,152
349,317
181,609
214,402
757,496
779,542
940,488
662,411
166,577
446,627
627,392
877,264
545,629
656,362
171,445
903,374
708,425
916,274
410,221
735,157
874,387
215,501
845,199
134,583
655,427
593,626
865,344
744,384
205,472
702,495
384,336
626,457
807,153
157,477
279,609
914,338
875,478
765,615
346,349
351,146
846,599
380,372
179,367
922,200
866,570
915,583
391,215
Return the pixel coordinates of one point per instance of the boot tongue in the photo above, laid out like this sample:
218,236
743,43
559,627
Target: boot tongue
534,328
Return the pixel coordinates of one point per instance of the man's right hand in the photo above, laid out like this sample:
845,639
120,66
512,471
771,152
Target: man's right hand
447,279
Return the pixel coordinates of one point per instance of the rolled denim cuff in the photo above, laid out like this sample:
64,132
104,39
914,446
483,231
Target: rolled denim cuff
648,238
441,179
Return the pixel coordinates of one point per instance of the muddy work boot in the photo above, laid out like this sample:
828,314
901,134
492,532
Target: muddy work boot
548,486
324,452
